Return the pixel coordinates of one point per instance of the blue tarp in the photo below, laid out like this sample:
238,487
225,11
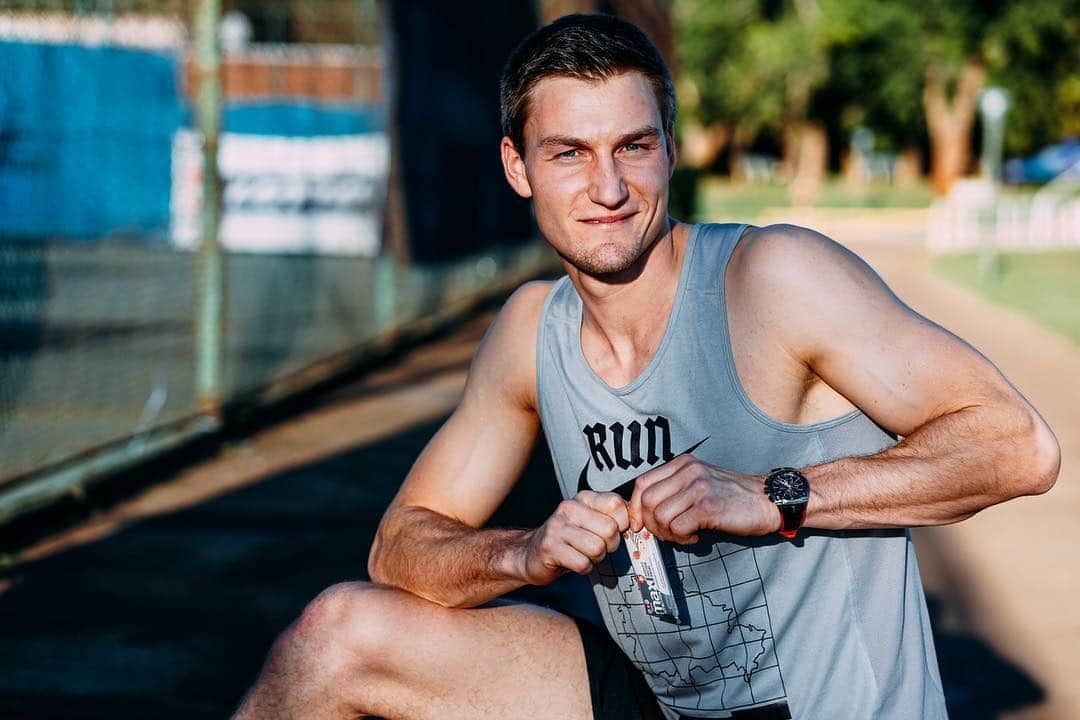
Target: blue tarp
86,137
300,120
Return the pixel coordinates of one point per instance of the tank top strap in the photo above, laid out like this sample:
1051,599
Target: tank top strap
715,243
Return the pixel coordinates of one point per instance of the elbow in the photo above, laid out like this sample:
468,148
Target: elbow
1044,455
1048,458
374,567
377,565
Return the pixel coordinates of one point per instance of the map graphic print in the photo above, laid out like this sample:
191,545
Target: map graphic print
719,652
723,637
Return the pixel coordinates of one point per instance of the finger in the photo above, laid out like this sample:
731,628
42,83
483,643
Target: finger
647,480
589,544
611,505
670,508
685,527
595,521
654,495
569,558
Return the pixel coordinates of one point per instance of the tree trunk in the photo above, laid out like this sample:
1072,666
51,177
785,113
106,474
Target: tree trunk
702,145
806,153
550,10
949,122
654,18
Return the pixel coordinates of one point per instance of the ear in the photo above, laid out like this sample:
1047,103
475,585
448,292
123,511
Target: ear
514,167
670,138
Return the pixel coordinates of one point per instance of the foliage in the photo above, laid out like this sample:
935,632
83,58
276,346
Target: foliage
1033,50
757,65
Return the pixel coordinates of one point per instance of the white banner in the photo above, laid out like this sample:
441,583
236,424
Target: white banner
320,195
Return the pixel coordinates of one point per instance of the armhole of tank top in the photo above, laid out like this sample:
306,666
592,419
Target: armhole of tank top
541,346
541,402
729,353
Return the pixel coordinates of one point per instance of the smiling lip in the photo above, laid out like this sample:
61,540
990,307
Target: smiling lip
608,219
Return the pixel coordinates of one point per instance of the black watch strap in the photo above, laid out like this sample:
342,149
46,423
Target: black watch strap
791,519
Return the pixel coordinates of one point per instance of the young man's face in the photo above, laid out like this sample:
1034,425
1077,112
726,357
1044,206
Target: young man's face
597,165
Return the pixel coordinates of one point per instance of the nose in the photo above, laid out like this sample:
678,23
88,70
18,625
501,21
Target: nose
606,186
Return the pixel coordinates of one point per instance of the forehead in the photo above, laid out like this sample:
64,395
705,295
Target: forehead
590,109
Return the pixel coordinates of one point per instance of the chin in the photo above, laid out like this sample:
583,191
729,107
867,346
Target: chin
605,261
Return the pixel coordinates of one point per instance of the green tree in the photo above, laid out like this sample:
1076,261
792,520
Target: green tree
749,66
907,68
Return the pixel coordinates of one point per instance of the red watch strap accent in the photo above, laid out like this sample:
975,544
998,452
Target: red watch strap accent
791,522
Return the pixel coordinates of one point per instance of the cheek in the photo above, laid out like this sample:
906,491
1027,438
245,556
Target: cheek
555,192
650,178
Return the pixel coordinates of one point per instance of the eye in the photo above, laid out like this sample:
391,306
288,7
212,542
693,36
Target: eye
570,154
632,147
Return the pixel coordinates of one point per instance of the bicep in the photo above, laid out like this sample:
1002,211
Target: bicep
900,368
469,466
897,366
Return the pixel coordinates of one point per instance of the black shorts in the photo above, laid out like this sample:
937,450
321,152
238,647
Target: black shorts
619,691
617,688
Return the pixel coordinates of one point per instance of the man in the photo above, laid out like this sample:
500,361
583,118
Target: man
752,349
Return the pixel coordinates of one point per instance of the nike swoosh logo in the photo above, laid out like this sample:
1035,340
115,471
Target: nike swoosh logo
626,490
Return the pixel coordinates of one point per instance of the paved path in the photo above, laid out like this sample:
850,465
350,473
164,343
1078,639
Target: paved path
1010,575
164,605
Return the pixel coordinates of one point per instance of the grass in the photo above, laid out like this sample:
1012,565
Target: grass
719,197
1045,286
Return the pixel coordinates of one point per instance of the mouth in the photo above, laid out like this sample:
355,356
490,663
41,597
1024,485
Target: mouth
609,220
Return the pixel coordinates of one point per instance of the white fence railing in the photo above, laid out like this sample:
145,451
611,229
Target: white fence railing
974,214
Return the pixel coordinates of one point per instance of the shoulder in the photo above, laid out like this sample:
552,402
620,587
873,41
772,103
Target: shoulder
789,265
782,252
520,314
506,357
807,286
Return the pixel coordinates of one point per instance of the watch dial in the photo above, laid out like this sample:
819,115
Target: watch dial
787,485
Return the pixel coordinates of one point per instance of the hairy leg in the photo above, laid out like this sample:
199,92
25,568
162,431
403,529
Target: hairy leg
360,649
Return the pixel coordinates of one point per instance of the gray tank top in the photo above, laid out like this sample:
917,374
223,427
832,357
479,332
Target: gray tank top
831,625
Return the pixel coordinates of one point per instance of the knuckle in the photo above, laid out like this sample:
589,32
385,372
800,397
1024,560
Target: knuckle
596,548
547,545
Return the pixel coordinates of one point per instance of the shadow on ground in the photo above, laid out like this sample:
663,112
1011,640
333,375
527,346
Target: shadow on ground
171,618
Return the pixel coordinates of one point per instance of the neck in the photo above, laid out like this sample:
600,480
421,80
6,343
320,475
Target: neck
628,312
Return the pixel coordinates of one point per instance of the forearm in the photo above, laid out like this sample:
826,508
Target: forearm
444,560
945,471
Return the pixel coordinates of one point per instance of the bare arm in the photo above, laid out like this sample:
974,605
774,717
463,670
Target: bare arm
430,542
970,439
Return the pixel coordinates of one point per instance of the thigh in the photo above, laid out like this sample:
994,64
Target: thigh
502,660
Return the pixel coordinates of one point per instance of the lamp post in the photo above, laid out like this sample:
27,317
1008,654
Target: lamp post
210,268
993,106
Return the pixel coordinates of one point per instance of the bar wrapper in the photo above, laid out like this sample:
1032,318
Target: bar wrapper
650,575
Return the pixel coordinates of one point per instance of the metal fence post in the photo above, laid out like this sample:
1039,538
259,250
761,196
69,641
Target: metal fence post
210,274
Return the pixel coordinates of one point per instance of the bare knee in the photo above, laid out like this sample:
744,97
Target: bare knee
349,628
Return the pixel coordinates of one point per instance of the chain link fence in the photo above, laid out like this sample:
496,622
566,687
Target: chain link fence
104,229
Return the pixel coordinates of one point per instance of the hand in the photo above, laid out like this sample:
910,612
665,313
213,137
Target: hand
685,495
580,533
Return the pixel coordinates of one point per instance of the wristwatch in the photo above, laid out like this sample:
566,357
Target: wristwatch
789,491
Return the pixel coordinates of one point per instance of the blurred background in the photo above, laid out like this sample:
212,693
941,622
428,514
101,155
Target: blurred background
248,246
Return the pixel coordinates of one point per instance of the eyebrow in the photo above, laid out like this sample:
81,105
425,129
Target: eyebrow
569,141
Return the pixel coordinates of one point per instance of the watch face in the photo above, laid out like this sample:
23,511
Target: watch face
786,486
